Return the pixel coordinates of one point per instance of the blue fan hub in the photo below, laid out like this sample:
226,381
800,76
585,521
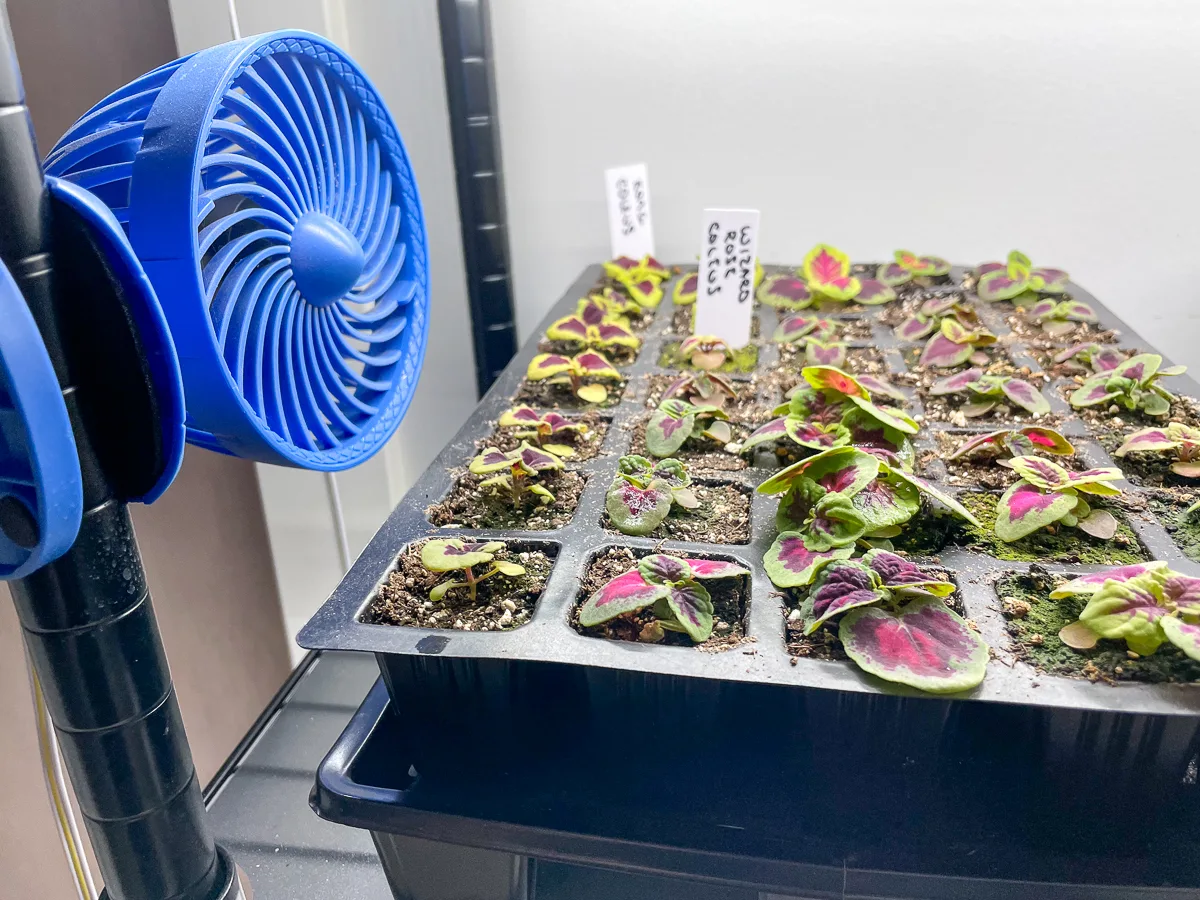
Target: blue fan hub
327,261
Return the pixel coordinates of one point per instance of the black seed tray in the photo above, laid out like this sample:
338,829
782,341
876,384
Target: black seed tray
472,700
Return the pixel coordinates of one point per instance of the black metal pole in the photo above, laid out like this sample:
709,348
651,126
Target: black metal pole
87,618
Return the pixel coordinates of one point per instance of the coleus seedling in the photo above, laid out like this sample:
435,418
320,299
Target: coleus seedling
626,269
1098,357
1009,442
674,589
517,470
833,353
1174,439
676,420
832,409
798,329
612,305
907,266
928,317
543,428
989,390
833,499
826,273
704,351
642,492
955,344
1132,384
559,369
1059,317
592,327
702,389
685,289
1144,604
1017,280
1047,494
455,555
785,292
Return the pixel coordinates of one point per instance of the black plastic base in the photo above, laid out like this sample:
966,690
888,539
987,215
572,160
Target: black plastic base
229,882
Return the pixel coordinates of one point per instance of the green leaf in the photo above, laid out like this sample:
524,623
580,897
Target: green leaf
692,607
511,569
1131,611
439,590
439,555
789,563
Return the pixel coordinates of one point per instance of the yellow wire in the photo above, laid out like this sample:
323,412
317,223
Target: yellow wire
79,866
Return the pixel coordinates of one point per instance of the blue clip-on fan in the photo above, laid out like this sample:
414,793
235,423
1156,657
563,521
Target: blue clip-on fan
238,234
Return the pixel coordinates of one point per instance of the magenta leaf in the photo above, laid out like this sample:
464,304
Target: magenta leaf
1085,350
971,446
1093,392
925,645
539,460
693,609
883,388
985,268
936,494
1089,584
521,414
897,574
624,594
1106,359
1139,368
1024,508
772,431
635,510
659,568
1042,309
893,274
845,470
789,563
1129,610
1025,395
874,293
815,435
568,328
841,586
942,353
955,383
915,327
793,328
785,292
715,568
1077,311
1183,591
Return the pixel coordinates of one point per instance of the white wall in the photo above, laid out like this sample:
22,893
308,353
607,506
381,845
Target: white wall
399,46
1063,127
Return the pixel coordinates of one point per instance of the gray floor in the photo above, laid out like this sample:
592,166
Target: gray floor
261,813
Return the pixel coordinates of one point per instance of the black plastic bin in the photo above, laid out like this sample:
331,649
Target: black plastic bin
500,701
745,829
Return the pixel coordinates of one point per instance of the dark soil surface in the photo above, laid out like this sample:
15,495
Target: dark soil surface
1034,621
723,517
681,322
859,360
1034,337
697,454
587,446
910,298
1066,545
1107,421
469,506
948,407
981,470
543,395
729,597
753,404
1168,505
501,603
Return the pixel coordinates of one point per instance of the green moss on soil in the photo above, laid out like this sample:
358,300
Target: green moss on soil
744,361
1066,545
1035,636
1169,507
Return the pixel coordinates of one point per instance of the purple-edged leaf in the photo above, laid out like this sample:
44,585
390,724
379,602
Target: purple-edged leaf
841,586
1147,440
1042,309
1093,392
1140,367
886,502
819,354
569,328
815,435
793,328
1054,281
538,460
834,523
772,431
844,470
789,563
991,441
883,388
1129,610
785,292
956,383
1041,472
893,274
1025,395
1025,508
939,495
1078,311
1000,285
595,365
874,293
520,415
1184,635
915,327
624,594
693,609
669,426
1089,584
942,353
716,568
897,573
925,645
659,568
635,510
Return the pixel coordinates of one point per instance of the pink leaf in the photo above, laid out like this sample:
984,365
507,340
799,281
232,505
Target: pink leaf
873,293
1106,359
973,445
915,328
818,354
715,568
773,430
893,274
794,327
1089,584
789,563
1025,395
1184,635
942,353
898,573
623,594
1055,280
1025,508
877,385
953,384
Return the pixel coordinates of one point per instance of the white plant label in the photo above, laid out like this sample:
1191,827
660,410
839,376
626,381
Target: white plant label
631,232
725,291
